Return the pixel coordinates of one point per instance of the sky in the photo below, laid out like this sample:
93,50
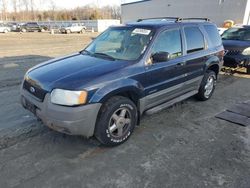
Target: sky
76,3
68,4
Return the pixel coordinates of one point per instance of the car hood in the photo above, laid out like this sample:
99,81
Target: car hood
72,72
235,44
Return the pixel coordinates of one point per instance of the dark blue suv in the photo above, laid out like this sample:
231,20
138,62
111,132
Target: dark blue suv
139,67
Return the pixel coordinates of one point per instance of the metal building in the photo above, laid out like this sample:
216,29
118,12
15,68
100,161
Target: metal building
217,10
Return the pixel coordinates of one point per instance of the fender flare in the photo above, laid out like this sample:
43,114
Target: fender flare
114,88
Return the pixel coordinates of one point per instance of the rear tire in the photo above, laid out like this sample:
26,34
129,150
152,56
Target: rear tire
207,86
116,121
82,31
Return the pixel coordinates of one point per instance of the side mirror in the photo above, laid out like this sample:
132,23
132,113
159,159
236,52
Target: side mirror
161,57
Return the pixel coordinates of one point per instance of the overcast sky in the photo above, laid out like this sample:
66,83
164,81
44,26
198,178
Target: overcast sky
76,3
66,4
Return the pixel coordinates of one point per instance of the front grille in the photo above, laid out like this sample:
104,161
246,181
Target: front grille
34,90
233,52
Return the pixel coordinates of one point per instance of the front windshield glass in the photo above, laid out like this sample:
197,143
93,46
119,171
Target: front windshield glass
236,34
125,43
67,24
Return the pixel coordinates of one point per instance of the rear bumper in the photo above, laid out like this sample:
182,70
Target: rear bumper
70,120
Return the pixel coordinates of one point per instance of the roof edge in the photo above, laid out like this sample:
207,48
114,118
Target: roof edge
142,1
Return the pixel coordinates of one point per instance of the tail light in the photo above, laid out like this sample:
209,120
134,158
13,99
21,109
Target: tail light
222,53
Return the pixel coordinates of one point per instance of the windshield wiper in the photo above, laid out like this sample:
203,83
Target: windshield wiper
98,54
104,55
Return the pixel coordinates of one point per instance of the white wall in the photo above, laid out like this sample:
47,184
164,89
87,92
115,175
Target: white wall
216,10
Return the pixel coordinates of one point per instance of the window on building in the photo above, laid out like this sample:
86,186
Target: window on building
194,38
169,41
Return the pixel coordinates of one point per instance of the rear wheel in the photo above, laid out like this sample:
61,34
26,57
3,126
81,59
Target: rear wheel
82,31
116,122
207,86
23,30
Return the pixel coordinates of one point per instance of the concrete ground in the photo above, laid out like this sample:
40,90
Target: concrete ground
183,146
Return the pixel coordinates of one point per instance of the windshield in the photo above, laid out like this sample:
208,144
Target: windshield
121,43
236,34
67,25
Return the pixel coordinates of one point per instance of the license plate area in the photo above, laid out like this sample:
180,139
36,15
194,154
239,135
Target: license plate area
31,107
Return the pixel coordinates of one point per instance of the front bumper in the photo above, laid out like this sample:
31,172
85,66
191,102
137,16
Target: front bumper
236,61
70,120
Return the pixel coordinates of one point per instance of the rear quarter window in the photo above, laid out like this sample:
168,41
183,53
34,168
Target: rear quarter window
194,38
213,35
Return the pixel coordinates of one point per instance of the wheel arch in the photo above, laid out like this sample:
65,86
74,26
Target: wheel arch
132,90
213,64
214,67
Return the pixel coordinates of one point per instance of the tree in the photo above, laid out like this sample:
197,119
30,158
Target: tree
32,9
95,15
4,15
26,10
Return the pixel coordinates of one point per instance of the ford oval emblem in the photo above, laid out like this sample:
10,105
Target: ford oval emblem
32,90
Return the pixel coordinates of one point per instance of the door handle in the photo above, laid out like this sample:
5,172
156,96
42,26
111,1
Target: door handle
180,64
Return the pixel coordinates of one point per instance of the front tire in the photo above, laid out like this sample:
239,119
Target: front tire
207,86
116,121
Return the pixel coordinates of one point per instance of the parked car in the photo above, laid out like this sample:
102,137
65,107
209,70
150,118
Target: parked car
221,30
13,26
236,41
30,27
4,28
73,28
140,67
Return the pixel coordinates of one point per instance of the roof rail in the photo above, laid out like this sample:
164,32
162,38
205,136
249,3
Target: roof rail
199,19
175,19
160,18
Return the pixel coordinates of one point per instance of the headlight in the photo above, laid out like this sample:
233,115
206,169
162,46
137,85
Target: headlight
68,98
246,51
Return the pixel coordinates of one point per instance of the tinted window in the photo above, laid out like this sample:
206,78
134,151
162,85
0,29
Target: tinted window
169,41
194,38
213,35
237,34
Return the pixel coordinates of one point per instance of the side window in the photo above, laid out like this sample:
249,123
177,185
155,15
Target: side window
213,35
194,38
169,41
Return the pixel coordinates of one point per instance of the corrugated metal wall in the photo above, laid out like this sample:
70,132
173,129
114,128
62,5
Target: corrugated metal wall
216,10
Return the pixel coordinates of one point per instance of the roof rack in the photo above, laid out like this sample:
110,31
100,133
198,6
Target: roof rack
199,19
175,19
160,18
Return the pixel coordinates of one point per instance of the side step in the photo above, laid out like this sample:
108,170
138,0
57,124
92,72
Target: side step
170,103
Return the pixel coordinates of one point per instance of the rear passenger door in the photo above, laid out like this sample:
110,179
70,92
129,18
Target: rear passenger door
165,79
195,55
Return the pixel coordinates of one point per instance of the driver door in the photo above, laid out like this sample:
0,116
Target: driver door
165,78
